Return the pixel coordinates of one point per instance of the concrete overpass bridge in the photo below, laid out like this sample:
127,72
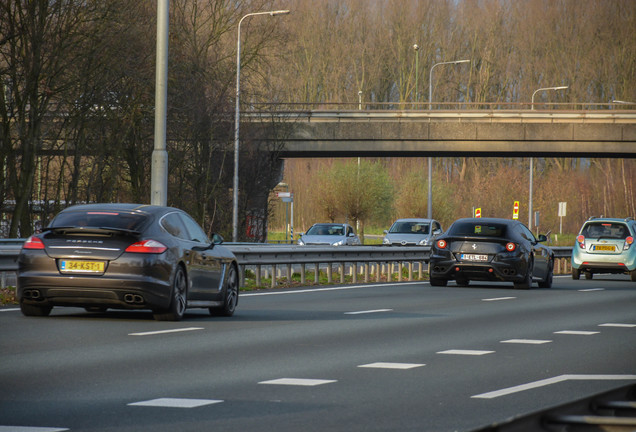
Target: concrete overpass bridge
506,133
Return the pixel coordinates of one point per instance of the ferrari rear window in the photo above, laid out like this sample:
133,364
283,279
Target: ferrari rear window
608,230
98,219
470,229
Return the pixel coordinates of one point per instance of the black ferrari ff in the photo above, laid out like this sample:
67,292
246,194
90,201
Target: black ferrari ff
491,249
126,256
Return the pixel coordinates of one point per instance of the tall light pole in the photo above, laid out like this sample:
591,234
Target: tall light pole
430,159
237,114
531,160
159,165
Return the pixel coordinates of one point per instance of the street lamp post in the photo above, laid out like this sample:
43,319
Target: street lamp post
237,121
417,69
531,160
546,89
430,159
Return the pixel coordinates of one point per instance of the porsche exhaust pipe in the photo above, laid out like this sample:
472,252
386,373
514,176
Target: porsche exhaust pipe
134,299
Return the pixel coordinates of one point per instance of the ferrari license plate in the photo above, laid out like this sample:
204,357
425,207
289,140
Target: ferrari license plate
473,257
605,248
72,266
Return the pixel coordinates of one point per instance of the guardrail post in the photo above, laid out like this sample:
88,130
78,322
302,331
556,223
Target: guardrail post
273,275
410,264
342,273
257,275
303,279
289,273
420,268
329,273
366,272
354,274
316,272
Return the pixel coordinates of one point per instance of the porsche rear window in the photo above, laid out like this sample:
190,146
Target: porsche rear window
608,230
100,219
470,229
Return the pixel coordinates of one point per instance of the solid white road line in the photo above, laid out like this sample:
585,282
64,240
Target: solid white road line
13,310
548,381
592,289
176,403
337,288
165,331
384,365
298,382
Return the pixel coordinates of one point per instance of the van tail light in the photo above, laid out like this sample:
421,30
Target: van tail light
441,244
147,246
581,241
628,242
33,243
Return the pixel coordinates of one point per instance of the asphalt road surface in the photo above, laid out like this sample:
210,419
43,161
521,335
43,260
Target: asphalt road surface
377,357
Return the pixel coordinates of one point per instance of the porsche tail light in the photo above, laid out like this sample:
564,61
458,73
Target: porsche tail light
628,242
147,246
510,247
33,243
441,244
581,241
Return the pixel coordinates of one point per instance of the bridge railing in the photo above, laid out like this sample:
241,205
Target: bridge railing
267,261
451,106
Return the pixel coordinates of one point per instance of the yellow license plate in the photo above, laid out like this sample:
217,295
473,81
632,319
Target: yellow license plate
604,248
72,266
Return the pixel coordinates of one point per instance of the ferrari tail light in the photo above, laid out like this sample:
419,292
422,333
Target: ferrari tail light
581,241
441,244
628,242
33,243
510,247
147,246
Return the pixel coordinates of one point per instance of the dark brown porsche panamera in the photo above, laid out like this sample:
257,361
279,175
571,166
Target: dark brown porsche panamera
126,256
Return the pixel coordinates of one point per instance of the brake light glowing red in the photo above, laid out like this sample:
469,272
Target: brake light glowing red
147,246
511,247
441,244
33,243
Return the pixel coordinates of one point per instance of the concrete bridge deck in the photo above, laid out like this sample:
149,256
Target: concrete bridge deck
508,133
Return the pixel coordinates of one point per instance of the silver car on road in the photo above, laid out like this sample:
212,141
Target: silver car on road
412,232
333,234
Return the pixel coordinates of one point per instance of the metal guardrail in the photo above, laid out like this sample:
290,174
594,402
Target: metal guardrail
265,259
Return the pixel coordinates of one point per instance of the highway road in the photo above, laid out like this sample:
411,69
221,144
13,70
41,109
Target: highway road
376,357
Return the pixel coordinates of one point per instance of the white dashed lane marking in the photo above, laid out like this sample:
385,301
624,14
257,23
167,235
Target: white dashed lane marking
165,331
384,365
592,289
368,311
498,299
465,352
577,332
30,429
527,341
176,403
617,325
298,382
